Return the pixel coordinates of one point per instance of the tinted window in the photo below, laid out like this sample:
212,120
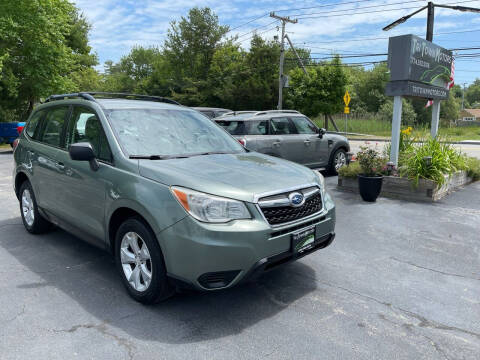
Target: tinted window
233,127
85,127
33,123
303,125
258,127
210,114
169,132
52,130
282,126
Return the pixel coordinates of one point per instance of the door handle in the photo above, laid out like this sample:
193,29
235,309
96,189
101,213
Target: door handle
307,142
276,143
60,166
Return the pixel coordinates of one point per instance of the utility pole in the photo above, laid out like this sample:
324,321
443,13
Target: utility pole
430,18
463,96
284,20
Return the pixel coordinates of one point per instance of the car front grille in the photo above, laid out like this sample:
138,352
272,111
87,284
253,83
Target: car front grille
284,214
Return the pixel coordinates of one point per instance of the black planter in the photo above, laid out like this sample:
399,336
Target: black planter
370,187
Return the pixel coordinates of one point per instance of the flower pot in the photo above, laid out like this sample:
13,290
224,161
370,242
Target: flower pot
370,187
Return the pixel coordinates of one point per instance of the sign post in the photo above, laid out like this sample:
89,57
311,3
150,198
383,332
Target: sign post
346,110
418,68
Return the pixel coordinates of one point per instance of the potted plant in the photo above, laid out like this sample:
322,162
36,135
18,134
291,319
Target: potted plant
370,179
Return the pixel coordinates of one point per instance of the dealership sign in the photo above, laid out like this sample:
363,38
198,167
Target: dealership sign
418,68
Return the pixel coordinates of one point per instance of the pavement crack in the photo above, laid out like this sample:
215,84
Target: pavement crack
434,270
103,329
17,315
423,321
437,347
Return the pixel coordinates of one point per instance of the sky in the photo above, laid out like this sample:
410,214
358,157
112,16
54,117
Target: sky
325,27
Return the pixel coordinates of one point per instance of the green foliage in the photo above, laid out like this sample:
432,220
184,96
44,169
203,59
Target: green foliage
43,43
472,94
445,160
473,168
408,113
321,92
350,171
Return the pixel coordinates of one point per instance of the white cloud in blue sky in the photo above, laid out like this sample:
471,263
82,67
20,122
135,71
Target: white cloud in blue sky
119,25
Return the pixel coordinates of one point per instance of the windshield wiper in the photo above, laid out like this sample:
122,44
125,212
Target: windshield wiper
157,157
213,153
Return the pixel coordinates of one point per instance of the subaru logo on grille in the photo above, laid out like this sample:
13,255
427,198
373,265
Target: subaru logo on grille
296,199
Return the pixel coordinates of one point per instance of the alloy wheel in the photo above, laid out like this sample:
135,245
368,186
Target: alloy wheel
27,207
340,160
136,261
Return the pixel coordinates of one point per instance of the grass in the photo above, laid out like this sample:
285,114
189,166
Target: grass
5,146
384,129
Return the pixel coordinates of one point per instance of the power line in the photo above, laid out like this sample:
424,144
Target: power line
325,5
248,22
261,27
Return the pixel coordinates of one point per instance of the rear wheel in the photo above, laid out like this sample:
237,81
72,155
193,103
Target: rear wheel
140,262
338,159
32,220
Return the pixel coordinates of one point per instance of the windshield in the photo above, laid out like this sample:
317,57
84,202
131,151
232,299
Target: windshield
170,133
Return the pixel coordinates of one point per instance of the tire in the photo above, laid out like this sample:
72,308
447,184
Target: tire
31,218
332,164
143,272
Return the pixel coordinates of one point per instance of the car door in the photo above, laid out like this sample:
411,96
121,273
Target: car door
314,148
282,138
83,193
44,154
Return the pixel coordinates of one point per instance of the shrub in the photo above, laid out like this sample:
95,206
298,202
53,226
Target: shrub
350,171
445,160
370,161
473,168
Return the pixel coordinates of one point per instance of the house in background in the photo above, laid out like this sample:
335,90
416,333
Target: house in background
469,117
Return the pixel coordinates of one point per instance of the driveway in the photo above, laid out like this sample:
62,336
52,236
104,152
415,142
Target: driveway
401,281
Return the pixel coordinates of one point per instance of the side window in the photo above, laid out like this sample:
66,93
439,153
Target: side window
209,114
53,126
86,127
281,126
233,127
33,123
258,127
303,125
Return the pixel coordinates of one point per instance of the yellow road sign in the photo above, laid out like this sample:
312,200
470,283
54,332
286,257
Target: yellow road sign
346,110
346,99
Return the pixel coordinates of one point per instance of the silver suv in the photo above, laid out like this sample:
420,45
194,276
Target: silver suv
290,135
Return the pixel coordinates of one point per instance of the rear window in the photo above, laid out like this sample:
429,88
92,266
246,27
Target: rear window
236,127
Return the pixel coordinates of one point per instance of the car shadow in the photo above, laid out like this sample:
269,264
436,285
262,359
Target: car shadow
88,275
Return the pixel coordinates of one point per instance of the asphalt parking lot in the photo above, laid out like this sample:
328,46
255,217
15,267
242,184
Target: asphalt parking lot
401,281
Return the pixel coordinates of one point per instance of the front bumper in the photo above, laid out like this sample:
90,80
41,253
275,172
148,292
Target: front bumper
215,256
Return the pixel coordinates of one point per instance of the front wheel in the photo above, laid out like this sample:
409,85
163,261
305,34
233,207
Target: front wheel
338,159
32,220
140,262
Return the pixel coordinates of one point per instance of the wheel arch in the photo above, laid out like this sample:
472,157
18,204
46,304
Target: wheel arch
118,216
20,178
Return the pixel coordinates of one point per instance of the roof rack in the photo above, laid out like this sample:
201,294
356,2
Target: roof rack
276,111
98,94
239,112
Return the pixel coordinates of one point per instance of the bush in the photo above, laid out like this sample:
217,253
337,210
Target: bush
445,160
350,171
370,161
473,168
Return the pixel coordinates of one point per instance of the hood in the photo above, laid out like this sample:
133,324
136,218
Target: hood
236,176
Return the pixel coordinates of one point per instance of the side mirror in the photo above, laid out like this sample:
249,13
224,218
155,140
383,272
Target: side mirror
321,132
83,152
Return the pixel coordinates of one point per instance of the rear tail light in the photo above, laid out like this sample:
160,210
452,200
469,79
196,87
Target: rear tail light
243,142
15,143
20,129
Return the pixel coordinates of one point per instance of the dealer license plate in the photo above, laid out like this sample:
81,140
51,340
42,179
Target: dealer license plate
303,240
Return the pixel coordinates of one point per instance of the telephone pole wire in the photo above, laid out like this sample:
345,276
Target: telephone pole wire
284,20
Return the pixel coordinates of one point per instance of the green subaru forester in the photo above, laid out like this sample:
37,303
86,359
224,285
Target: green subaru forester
175,198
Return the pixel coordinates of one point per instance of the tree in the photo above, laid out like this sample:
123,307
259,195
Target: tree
321,92
472,95
370,88
409,115
43,43
191,43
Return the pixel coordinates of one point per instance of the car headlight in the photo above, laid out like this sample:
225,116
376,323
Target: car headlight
210,208
321,181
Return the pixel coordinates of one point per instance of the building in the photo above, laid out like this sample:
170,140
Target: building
469,117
